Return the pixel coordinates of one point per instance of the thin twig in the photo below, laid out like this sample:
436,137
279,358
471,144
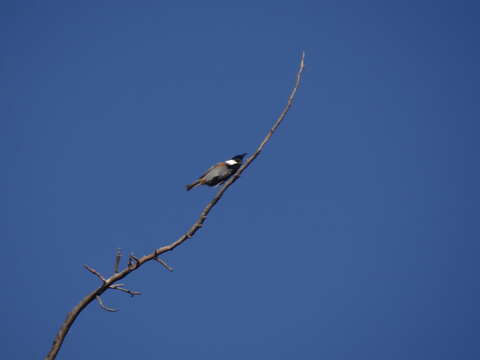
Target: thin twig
118,256
103,306
120,288
168,267
95,272
72,315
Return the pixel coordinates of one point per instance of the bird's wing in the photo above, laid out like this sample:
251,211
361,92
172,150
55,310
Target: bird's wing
211,168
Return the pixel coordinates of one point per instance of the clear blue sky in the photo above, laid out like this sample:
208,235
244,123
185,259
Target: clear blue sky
353,236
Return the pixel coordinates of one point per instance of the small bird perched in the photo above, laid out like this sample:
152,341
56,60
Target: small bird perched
218,173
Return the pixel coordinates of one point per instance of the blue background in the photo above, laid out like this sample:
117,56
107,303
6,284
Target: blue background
353,236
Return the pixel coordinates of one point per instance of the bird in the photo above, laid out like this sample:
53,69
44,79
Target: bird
218,173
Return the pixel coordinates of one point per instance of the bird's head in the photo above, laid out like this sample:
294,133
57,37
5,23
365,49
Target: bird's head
239,158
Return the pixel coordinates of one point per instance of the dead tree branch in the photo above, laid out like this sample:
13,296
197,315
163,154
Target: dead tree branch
135,263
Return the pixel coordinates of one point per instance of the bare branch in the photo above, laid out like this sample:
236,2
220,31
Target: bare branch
103,306
65,327
95,272
169,268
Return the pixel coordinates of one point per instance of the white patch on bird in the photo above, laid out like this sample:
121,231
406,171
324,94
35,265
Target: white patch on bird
231,162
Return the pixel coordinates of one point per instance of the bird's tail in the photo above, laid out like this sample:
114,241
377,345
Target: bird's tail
192,185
